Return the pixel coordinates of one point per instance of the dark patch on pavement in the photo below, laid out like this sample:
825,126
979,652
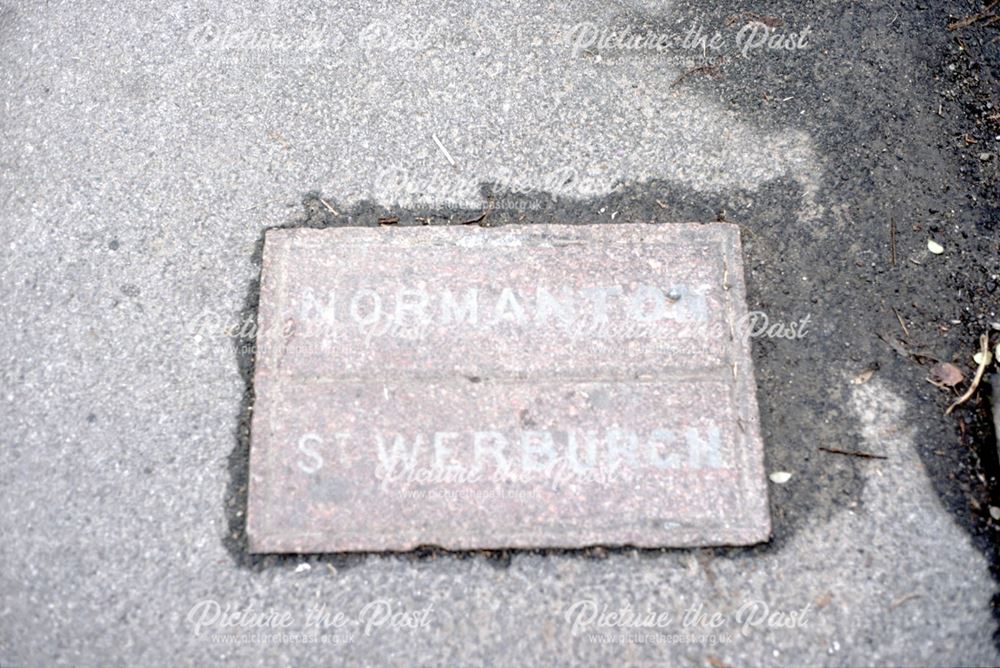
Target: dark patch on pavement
905,114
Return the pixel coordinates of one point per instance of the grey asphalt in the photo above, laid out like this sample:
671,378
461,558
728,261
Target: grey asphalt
145,147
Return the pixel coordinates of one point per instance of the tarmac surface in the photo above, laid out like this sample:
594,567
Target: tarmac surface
145,148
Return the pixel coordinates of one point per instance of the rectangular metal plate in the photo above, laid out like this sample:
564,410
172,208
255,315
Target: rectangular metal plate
521,386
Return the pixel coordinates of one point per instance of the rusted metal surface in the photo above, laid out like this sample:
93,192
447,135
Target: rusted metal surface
523,386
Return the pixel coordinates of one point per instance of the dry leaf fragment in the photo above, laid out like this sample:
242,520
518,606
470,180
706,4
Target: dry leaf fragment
865,375
945,374
984,351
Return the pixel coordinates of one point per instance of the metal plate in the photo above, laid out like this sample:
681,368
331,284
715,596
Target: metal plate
523,386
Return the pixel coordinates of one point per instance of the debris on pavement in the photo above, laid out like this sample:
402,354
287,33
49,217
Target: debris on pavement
865,375
945,374
984,344
853,453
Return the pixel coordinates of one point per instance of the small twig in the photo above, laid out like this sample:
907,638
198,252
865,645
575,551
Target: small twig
901,323
969,20
444,151
710,70
938,385
388,220
481,217
902,350
330,208
984,349
853,453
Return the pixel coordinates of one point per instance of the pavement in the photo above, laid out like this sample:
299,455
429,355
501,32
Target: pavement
145,148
